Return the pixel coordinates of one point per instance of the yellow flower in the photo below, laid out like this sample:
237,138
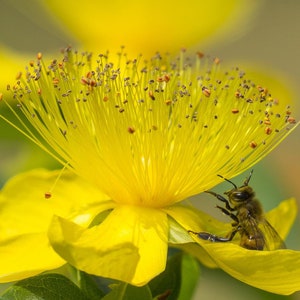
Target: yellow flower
160,25
142,136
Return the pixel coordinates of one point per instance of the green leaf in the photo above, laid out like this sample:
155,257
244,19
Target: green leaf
44,287
100,218
90,287
190,271
124,291
168,283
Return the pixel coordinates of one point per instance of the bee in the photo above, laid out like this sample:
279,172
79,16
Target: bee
256,233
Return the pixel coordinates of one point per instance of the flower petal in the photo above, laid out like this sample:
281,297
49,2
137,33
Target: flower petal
25,209
287,211
191,219
25,216
25,256
273,271
130,245
197,252
195,220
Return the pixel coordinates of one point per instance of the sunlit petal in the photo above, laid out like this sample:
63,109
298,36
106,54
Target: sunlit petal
274,271
25,256
26,213
25,208
283,216
130,245
195,220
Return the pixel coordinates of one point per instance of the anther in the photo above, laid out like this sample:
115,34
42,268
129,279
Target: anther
253,144
131,130
268,130
206,92
291,120
48,195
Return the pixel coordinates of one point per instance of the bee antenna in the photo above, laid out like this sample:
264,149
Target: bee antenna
228,181
248,178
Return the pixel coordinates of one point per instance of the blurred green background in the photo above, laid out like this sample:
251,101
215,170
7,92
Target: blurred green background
270,40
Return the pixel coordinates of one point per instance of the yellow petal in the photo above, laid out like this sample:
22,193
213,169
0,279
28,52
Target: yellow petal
180,238
283,216
26,256
273,271
25,192
130,245
25,215
197,252
192,219
195,220
161,25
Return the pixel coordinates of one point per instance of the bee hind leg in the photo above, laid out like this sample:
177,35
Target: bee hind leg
214,238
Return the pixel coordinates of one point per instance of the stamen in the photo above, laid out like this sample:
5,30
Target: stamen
48,194
147,133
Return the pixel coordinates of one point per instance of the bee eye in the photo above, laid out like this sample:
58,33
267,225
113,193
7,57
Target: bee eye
241,195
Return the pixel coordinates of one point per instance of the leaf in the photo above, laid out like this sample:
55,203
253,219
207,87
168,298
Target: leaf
167,284
124,291
44,287
190,272
89,287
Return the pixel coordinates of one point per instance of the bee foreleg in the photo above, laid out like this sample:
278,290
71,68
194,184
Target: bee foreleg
221,198
228,213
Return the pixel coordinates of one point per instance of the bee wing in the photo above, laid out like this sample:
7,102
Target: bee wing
260,235
272,239
252,236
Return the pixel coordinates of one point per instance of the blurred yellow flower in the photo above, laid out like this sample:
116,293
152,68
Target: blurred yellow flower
151,26
142,27
10,65
143,135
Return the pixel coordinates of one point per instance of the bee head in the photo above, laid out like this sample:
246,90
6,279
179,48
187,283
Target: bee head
240,194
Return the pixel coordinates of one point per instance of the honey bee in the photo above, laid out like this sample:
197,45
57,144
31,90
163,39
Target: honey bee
256,233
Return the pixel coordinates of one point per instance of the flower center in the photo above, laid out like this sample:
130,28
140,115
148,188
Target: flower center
149,133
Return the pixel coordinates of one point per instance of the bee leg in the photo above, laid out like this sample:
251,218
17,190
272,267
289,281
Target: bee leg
228,213
221,198
233,233
214,238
